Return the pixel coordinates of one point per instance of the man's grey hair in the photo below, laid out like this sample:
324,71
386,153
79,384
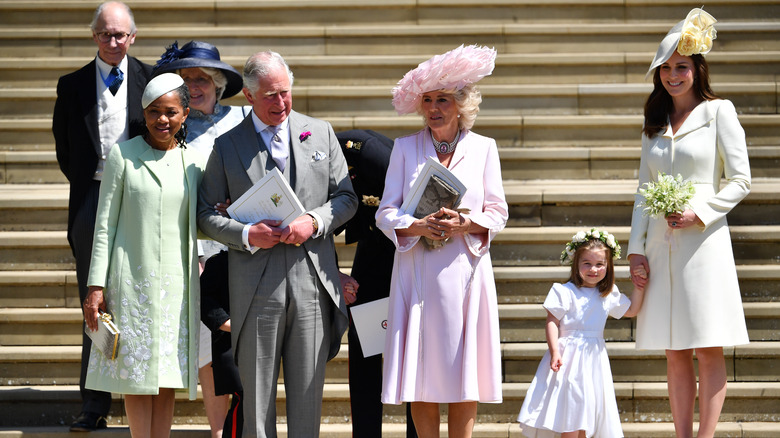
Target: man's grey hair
259,66
99,12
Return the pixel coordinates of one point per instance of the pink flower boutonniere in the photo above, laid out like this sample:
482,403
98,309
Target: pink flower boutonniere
304,135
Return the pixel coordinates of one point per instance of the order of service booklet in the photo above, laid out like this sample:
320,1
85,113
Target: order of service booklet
269,198
371,325
435,187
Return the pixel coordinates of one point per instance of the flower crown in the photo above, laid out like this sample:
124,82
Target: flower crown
582,237
697,33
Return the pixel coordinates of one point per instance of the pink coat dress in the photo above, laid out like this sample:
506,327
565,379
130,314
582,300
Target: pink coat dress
442,343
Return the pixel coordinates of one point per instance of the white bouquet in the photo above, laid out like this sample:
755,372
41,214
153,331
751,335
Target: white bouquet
666,196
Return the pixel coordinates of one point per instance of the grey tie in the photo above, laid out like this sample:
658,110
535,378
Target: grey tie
278,149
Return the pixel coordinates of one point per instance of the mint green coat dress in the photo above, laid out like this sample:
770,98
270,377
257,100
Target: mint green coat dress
145,256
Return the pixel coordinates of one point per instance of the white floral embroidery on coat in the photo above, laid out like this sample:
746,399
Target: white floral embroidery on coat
137,328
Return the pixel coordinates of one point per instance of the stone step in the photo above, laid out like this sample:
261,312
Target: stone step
758,361
388,38
552,203
530,284
638,403
498,99
755,362
523,323
532,203
527,246
519,323
30,167
60,365
33,206
604,163
35,250
39,289
598,163
514,284
391,430
34,134
511,68
515,246
208,13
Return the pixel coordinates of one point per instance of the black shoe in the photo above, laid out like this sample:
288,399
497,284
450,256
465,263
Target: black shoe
87,422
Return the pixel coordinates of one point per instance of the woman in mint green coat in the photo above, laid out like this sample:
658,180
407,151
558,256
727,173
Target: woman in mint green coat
144,263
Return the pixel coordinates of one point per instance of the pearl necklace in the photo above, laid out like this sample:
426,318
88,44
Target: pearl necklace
443,147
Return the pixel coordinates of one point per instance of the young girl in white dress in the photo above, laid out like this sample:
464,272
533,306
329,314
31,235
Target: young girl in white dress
572,393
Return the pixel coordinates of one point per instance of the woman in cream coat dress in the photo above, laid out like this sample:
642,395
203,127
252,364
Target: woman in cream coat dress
692,298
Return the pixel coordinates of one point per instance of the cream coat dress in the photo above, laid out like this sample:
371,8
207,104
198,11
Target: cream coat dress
693,298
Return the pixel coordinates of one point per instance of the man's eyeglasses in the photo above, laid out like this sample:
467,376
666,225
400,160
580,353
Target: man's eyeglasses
105,37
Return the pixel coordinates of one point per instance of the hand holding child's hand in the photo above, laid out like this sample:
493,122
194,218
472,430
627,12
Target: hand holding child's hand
555,362
639,271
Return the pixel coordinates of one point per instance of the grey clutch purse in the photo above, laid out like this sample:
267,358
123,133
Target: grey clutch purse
106,338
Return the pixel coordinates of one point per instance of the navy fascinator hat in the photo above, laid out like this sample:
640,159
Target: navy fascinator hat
199,54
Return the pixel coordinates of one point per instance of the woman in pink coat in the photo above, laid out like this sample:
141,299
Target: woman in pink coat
442,342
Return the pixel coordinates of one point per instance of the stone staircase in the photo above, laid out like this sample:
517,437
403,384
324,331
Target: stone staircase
564,104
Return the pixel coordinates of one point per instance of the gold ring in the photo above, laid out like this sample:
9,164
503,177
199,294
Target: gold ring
297,244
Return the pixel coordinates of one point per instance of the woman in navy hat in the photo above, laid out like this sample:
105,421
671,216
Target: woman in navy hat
209,80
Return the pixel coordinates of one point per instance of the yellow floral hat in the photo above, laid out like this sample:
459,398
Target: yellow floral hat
691,36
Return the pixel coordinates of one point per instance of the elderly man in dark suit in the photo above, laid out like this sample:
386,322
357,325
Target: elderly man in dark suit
97,106
285,304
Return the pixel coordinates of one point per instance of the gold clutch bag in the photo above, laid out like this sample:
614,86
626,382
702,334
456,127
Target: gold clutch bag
106,338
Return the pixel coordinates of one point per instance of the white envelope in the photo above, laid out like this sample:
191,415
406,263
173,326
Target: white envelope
371,324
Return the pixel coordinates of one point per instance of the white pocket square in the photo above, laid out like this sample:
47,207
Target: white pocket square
319,155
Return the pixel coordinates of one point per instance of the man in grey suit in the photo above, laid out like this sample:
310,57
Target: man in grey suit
285,301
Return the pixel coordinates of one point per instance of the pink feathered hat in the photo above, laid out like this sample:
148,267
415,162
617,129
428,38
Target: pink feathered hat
450,71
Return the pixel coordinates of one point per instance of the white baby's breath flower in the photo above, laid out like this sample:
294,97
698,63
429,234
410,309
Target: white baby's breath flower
581,237
665,196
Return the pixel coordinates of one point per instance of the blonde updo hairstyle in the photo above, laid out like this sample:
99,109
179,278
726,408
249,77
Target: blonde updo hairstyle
467,99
